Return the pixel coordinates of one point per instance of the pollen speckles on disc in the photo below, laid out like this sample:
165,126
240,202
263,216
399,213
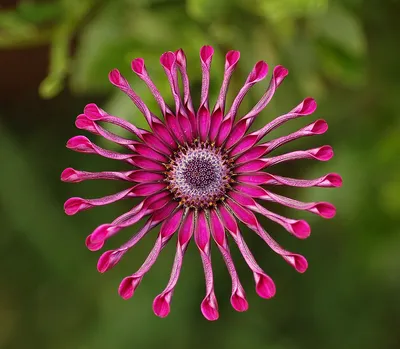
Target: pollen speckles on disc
198,175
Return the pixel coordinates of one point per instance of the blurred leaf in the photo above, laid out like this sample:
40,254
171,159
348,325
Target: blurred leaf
207,10
39,12
341,46
342,29
277,10
33,211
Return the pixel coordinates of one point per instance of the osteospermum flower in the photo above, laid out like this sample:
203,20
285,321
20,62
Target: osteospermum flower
199,174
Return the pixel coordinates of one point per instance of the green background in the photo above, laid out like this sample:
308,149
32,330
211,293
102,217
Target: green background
54,59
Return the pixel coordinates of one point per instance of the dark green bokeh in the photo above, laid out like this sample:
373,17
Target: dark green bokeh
344,53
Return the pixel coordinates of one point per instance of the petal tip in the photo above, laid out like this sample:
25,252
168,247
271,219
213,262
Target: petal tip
73,205
335,179
206,53
108,260
326,210
161,306
259,72
232,58
137,66
239,302
324,153
301,229
167,60
70,175
209,311
265,286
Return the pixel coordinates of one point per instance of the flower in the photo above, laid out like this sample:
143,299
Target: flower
199,174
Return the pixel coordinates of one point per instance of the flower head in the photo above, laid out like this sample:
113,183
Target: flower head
199,174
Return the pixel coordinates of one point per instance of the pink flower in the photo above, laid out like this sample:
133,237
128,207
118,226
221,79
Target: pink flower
199,174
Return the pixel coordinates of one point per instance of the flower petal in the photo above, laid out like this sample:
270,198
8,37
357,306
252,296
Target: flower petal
244,123
316,128
231,60
83,145
209,305
257,74
323,209
129,284
243,214
306,107
76,204
187,100
238,295
265,286
161,304
323,153
331,180
146,164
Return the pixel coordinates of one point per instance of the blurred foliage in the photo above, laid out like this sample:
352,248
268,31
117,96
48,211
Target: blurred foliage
344,53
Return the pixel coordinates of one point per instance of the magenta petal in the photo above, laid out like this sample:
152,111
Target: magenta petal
239,302
231,58
70,175
146,164
324,209
162,131
333,179
98,237
237,133
108,260
245,143
265,286
319,127
206,53
80,143
203,116
216,119
145,176
229,221
94,245
324,153
301,229
128,286
145,189
149,153
137,66
75,205
251,154
258,73
224,131
161,306
171,225
251,166
280,73
209,307
297,261
307,107
84,123
244,215
202,233
186,230
217,228
167,60
93,112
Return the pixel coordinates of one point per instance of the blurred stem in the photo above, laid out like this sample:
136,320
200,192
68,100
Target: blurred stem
75,12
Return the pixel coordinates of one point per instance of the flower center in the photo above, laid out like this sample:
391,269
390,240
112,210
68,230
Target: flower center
199,175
